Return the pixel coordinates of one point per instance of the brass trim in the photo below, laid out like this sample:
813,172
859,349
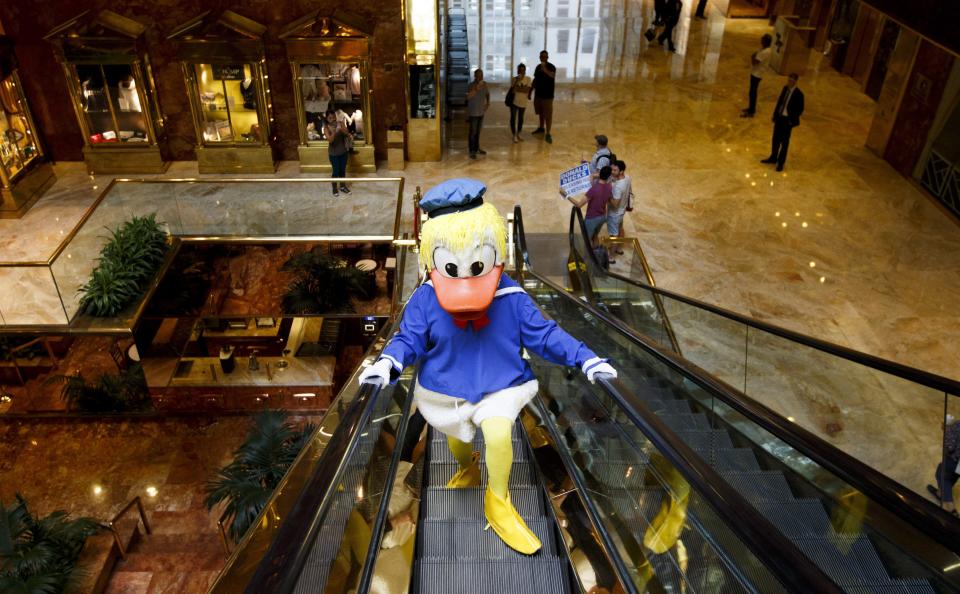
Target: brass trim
112,524
648,272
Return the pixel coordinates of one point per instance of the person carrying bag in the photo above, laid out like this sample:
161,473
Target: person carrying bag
521,87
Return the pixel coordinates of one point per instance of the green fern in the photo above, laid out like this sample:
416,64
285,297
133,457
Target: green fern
324,283
121,392
245,485
37,555
128,260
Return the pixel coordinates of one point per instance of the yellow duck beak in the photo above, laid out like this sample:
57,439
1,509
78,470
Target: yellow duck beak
466,298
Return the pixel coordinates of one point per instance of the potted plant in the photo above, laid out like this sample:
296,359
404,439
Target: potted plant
324,283
120,392
129,259
246,484
37,555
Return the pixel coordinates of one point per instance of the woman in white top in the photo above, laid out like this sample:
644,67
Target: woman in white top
522,88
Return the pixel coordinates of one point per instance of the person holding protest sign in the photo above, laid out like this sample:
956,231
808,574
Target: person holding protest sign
597,198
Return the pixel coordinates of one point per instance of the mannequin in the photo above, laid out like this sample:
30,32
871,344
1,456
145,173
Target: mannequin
128,98
353,80
94,98
249,93
358,123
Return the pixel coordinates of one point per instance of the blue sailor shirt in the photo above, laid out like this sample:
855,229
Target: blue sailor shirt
468,363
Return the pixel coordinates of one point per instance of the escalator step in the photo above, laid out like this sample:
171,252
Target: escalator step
437,436
453,504
801,518
892,589
617,474
760,485
849,561
313,577
521,475
730,459
466,539
543,576
635,506
439,452
700,439
680,421
668,405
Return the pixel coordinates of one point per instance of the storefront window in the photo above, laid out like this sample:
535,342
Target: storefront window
111,104
228,103
17,141
332,86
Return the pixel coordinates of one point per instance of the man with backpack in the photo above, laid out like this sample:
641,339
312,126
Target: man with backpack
604,157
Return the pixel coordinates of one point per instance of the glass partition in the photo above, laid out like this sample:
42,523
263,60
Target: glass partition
18,143
845,403
111,103
345,528
809,501
337,87
668,533
228,103
201,210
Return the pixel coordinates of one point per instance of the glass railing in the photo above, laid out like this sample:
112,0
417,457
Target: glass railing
345,428
666,534
851,535
885,415
197,210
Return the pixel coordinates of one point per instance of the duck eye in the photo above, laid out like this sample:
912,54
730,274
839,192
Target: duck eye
476,268
445,262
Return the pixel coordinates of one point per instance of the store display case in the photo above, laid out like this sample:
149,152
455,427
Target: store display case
24,173
330,60
113,93
222,55
424,142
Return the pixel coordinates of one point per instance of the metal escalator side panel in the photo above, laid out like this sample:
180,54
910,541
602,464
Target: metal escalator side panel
248,554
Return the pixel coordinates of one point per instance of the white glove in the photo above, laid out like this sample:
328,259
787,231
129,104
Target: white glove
378,373
598,368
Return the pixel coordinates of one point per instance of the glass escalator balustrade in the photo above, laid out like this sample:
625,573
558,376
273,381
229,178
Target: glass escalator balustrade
827,520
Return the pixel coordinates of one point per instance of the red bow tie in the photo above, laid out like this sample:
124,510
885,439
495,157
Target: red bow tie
478,324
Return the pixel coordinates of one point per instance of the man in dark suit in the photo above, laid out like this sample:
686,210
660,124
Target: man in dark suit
786,116
671,16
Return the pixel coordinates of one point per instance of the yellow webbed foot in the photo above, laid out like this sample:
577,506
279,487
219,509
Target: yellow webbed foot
666,527
468,476
508,524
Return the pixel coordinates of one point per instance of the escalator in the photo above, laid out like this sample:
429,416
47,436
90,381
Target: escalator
647,483
818,500
455,554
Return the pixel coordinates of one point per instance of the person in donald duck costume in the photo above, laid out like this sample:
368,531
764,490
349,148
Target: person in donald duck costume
467,326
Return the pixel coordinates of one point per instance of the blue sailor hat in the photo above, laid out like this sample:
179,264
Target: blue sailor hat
453,195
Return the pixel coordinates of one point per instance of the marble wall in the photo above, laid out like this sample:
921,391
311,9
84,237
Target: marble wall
936,19
27,21
894,85
919,107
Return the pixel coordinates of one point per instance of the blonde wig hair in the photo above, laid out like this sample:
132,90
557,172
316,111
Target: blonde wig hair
459,231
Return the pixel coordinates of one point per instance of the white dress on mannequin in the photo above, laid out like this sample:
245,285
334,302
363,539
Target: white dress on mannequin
127,97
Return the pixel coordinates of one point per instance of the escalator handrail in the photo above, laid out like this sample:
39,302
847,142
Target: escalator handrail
913,374
365,580
281,566
903,502
778,553
794,569
576,220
